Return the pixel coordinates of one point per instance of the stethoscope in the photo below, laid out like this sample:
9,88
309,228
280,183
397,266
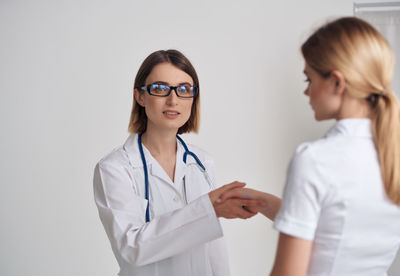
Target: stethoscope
146,176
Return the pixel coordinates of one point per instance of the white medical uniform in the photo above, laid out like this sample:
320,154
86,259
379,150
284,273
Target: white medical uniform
183,237
334,196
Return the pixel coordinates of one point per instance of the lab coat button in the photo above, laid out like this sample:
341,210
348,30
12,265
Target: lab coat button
176,199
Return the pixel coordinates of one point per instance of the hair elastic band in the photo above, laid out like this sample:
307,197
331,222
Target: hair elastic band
373,98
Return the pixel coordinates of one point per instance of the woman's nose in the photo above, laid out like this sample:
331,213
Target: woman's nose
172,98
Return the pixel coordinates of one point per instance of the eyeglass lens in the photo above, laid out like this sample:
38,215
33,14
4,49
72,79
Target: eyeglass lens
158,89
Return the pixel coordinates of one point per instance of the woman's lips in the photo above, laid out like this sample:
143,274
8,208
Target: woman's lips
171,114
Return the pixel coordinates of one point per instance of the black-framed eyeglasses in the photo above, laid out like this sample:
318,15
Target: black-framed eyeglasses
163,90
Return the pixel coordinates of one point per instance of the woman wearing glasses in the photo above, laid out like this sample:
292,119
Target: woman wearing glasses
154,193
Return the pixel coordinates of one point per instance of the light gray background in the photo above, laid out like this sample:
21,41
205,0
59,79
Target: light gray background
66,76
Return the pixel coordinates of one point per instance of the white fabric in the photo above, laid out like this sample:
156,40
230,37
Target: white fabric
183,237
334,195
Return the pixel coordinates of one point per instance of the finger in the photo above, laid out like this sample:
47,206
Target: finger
229,194
253,202
227,187
237,203
252,209
240,209
244,193
244,213
232,185
249,209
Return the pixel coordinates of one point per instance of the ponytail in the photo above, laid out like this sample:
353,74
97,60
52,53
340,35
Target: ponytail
356,49
386,131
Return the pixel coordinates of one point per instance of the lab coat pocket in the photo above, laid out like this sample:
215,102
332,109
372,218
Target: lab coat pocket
196,183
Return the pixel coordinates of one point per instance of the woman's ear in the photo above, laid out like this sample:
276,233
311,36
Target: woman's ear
339,82
139,97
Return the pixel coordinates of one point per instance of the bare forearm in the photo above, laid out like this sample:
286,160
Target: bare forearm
292,256
272,207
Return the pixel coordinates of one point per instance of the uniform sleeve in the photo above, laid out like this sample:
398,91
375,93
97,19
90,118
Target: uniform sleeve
122,213
303,196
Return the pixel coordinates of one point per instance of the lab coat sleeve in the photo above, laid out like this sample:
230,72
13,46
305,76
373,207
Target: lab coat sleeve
303,196
219,260
122,213
217,249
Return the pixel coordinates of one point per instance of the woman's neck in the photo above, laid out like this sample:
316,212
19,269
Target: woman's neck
354,108
159,141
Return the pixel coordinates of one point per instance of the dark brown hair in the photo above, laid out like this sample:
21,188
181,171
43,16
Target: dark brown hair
138,120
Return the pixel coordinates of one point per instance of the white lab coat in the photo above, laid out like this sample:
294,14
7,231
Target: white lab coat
183,237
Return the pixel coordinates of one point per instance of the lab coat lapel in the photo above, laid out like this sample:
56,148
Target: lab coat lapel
157,171
180,166
154,168
132,148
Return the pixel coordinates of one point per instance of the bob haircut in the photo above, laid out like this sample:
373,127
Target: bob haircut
138,120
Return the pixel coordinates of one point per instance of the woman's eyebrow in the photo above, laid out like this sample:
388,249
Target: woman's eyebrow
166,83
183,83
161,82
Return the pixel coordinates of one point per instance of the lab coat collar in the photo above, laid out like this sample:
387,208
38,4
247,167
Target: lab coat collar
131,147
180,166
356,127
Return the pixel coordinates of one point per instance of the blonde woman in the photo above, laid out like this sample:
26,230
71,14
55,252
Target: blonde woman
340,213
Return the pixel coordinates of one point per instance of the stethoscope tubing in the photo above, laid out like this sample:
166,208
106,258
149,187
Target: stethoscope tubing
146,176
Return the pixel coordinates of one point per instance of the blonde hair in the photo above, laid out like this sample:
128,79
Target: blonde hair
357,50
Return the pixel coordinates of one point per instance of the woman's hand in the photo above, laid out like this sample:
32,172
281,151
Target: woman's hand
271,203
234,207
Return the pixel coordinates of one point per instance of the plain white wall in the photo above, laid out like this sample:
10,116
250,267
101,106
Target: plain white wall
66,76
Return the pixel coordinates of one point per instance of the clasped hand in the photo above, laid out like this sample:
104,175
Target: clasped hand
235,201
